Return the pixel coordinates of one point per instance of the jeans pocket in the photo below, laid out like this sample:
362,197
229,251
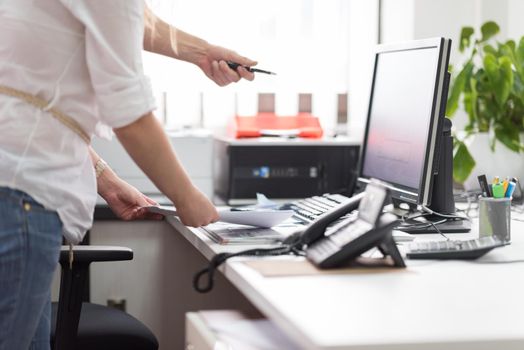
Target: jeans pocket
45,224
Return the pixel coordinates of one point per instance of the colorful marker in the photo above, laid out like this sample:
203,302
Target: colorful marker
511,189
498,190
505,183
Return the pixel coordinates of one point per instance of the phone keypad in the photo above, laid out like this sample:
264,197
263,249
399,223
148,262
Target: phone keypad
350,232
322,249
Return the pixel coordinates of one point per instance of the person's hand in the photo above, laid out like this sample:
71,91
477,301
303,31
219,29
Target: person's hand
214,65
128,203
195,210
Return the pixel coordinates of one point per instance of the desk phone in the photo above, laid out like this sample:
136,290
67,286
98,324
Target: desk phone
370,228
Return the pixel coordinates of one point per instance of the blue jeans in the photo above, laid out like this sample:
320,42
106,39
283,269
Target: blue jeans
30,239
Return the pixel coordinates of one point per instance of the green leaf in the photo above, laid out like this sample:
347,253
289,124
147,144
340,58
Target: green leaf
465,38
507,78
509,137
489,29
519,53
520,50
508,49
511,44
518,90
500,77
490,49
470,102
457,88
463,163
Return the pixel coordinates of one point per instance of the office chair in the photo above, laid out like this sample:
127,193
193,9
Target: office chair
79,326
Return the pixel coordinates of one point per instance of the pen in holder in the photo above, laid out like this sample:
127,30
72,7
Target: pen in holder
495,217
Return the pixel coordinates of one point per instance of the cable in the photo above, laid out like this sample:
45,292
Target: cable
219,259
440,232
449,216
420,225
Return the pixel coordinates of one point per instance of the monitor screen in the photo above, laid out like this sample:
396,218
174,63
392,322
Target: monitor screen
404,116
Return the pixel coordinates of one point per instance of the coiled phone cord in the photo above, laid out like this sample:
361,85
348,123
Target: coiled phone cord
219,259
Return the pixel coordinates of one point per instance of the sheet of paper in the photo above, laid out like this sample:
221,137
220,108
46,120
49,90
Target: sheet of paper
254,217
257,217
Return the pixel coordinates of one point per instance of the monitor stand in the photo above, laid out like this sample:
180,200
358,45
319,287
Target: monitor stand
442,200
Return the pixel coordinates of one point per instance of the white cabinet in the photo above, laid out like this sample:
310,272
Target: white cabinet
228,329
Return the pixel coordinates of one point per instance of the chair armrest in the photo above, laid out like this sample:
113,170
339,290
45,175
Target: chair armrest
88,253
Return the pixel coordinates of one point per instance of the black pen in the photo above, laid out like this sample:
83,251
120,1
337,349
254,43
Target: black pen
234,65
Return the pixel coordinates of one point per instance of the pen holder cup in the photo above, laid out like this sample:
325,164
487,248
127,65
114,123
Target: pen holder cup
495,218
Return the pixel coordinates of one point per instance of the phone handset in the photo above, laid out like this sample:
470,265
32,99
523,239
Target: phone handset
316,229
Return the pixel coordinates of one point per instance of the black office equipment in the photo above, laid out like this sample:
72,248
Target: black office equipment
371,228
451,249
408,141
283,169
310,208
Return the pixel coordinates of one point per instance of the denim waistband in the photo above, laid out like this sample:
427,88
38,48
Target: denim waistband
18,196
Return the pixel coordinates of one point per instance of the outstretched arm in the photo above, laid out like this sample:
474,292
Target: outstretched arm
164,39
148,145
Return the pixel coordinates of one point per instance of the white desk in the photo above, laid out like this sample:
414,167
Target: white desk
429,305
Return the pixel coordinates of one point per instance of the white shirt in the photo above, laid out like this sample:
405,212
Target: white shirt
84,56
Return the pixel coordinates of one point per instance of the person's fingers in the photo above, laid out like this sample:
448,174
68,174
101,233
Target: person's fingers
149,200
128,214
230,74
195,221
245,74
235,57
217,75
144,214
154,216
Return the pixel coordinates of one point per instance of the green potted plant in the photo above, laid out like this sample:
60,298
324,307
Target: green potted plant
490,88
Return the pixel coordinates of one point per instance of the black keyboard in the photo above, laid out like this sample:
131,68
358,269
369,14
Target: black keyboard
452,249
308,209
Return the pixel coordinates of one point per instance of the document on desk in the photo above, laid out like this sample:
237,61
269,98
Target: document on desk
226,233
260,217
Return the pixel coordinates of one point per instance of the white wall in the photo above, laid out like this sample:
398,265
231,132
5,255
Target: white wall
397,20
363,36
416,19
515,23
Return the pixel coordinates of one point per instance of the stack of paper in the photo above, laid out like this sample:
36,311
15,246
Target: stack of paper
253,217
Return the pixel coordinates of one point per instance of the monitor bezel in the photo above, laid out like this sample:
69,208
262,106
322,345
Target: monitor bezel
422,195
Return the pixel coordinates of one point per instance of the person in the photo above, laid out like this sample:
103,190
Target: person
69,71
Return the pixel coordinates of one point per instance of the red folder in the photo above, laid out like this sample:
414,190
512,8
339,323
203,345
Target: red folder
269,124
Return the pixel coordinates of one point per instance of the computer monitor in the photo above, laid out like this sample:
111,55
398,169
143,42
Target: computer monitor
404,135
